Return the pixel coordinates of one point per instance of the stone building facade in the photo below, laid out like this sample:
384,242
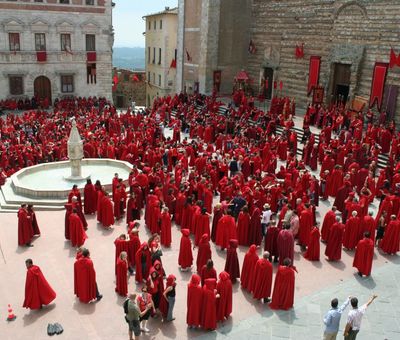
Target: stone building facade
131,87
349,36
161,50
56,48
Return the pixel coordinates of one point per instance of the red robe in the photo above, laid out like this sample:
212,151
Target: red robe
206,273
133,247
283,294
100,195
243,227
202,227
312,253
364,256
208,309
334,246
25,230
391,238
351,233
249,263
90,196
185,258
226,231
194,301
271,240
305,226
369,225
84,280
142,268
261,281
204,252
232,262
166,238
255,235
285,244
77,233
107,213
121,277
329,219
37,290
218,213
224,302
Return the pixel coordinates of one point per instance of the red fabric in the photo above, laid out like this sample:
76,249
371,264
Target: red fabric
285,244
261,281
90,196
194,301
271,240
208,310
122,277
77,233
351,233
378,84
305,226
185,258
133,247
107,212
206,273
202,227
334,246
232,262
91,56
255,235
329,219
283,294
249,262
224,302
166,237
41,56
140,274
312,253
204,252
226,231
364,256
25,230
37,290
393,58
243,226
313,73
84,279
391,238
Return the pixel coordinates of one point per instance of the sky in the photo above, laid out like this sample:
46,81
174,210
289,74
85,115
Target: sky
128,23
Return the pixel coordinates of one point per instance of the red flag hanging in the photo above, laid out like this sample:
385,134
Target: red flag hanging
281,85
393,58
135,78
299,52
378,84
275,84
313,73
115,81
173,63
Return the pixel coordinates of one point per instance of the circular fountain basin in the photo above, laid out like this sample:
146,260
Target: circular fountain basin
49,180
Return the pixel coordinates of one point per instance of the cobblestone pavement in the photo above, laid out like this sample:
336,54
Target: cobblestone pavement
304,322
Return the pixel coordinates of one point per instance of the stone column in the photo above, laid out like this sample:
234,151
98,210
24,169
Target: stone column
180,46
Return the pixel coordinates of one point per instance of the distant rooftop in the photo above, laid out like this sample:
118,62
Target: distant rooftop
167,10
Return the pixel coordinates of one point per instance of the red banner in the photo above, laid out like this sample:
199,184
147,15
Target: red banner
313,73
41,56
91,56
378,84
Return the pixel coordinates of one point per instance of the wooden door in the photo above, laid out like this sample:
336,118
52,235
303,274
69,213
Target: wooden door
268,79
42,88
341,82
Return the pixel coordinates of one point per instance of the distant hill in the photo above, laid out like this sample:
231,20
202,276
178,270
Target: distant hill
129,57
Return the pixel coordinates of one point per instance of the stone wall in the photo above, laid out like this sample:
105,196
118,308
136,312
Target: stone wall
357,33
130,89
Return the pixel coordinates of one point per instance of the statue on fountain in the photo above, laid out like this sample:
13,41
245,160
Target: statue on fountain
75,153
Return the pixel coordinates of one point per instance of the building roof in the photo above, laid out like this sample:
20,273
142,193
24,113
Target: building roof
167,10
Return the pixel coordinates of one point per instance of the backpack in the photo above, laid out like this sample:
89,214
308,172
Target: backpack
125,305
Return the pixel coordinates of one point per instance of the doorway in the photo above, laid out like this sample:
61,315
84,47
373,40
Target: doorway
120,101
42,88
268,81
341,83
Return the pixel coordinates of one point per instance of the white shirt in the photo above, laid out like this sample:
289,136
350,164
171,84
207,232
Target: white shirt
266,216
355,316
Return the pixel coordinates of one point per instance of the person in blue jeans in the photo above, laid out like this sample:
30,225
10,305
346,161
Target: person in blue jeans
332,319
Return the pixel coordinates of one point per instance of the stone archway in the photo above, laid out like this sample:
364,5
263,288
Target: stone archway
42,88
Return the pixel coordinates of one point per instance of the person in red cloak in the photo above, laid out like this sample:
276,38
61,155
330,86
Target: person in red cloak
194,301
166,238
75,193
208,310
329,219
218,213
202,225
133,245
100,195
208,272
369,225
226,231
117,199
261,281
204,252
306,222
249,262
143,263
224,290
285,244
283,293
122,274
132,209
391,238
364,255
37,290
333,250
271,241
32,216
77,233
107,212
255,235
90,197
75,205
232,262
121,244
341,195
313,249
243,226
85,286
351,232
185,258
25,230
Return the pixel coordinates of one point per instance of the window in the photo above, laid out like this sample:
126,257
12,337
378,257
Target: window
16,85
160,24
148,55
159,56
148,77
64,2
65,40
91,73
154,55
149,25
38,1
159,80
90,2
67,84
155,24
14,41
40,42
90,42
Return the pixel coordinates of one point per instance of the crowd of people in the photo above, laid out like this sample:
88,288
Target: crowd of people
267,197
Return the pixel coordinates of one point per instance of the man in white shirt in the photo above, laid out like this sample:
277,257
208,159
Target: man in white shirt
265,218
354,318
